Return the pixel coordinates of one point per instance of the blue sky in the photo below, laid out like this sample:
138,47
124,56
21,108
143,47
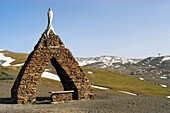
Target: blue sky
125,28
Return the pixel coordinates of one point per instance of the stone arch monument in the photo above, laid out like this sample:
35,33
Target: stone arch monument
50,48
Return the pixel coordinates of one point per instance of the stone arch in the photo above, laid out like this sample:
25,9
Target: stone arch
48,49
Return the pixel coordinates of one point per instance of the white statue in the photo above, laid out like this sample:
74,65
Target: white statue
50,18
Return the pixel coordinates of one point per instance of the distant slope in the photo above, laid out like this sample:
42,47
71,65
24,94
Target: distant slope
152,69
118,81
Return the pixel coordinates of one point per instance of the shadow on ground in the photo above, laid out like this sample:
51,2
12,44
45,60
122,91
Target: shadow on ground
5,101
43,100
39,100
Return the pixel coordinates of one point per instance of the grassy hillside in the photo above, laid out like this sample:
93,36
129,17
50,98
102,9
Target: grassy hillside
8,72
118,81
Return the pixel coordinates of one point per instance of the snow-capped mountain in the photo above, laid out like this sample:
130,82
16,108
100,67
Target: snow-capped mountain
106,60
113,61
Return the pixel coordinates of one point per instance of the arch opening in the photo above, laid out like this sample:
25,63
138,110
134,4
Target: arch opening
66,81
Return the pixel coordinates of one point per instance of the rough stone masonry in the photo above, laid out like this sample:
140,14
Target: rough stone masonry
50,49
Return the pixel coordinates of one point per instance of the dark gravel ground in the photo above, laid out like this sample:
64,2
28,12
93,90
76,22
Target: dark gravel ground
104,103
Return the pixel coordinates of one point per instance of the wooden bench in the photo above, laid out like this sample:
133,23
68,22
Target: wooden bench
58,96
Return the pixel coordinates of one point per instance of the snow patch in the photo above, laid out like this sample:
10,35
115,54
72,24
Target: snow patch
104,66
89,72
168,96
82,63
163,85
47,69
165,59
141,78
5,61
108,58
99,87
163,77
117,66
50,76
18,64
1,50
127,93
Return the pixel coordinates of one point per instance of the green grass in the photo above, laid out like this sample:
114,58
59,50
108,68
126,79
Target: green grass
8,72
118,81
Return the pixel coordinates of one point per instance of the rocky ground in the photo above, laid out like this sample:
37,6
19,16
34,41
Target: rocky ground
105,102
